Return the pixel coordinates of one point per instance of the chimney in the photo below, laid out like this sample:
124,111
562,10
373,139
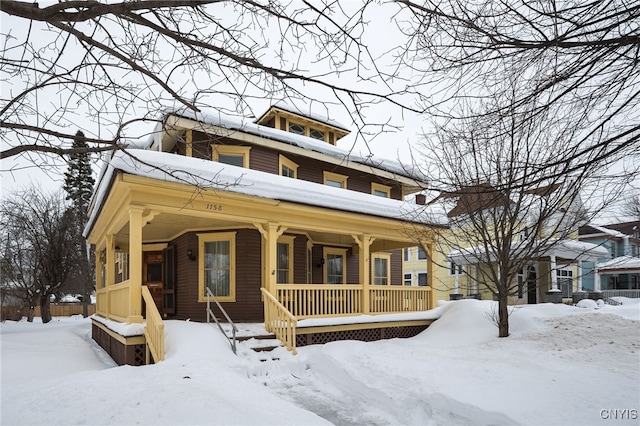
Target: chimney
421,199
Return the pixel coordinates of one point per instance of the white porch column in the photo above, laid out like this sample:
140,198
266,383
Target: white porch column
554,273
596,280
476,276
456,285
580,276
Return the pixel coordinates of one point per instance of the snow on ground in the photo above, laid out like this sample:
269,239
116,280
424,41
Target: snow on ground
561,365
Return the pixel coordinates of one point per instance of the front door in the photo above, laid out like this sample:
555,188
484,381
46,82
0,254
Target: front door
152,276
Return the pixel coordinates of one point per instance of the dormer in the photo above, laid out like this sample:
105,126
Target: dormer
284,117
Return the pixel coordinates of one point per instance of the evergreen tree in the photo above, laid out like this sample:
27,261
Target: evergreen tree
78,183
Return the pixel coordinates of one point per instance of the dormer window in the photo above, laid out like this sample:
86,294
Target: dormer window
296,128
316,134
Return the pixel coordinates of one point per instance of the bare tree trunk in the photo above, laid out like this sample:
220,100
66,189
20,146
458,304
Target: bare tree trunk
503,315
45,309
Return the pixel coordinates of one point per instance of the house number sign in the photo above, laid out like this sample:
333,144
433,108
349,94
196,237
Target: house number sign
214,207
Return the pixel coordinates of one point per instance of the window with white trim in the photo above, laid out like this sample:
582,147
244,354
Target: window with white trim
422,279
565,281
408,279
284,264
455,269
422,255
217,265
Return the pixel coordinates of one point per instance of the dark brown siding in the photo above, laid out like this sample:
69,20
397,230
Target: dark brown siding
353,268
396,267
300,260
263,159
248,305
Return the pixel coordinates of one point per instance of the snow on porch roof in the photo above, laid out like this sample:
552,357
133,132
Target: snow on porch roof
626,264
210,174
565,249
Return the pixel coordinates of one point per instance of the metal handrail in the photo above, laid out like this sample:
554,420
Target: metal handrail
234,329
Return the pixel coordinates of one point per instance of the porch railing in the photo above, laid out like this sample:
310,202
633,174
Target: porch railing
279,321
318,300
234,329
153,329
112,302
635,294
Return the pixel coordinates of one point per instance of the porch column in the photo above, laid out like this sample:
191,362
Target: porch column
270,233
579,276
456,285
554,274
364,243
476,273
596,281
135,264
110,270
189,143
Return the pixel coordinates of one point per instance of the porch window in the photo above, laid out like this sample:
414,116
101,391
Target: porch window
232,155
334,266
288,168
381,273
217,265
335,180
565,281
380,190
284,253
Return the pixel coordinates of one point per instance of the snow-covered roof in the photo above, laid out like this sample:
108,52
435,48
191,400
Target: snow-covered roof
306,113
607,231
621,263
566,249
205,173
217,118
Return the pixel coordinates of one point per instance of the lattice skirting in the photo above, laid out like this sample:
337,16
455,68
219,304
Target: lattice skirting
365,335
122,352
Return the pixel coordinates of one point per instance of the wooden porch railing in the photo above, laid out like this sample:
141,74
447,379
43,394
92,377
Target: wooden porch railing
279,321
320,300
153,329
112,302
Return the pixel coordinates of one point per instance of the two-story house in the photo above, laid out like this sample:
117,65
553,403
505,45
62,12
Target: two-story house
267,215
618,270
482,218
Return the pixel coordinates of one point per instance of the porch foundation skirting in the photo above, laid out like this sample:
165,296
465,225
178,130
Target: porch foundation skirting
364,332
125,350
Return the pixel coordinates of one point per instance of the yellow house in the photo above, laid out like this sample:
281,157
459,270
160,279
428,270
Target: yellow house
553,257
268,217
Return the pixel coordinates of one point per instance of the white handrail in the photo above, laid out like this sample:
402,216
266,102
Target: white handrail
234,329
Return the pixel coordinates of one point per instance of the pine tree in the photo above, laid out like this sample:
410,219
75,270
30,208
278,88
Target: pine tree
78,183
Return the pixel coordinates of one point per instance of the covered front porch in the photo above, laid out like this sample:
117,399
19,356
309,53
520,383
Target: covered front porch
160,247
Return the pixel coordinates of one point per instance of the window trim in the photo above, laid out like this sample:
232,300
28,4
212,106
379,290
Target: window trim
459,269
217,149
420,251
289,240
338,251
284,161
215,237
382,188
335,177
387,258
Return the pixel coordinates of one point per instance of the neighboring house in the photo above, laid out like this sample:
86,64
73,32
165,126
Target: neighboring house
552,273
416,267
270,216
619,269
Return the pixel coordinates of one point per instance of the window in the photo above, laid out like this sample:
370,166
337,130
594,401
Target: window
334,265
381,274
408,279
296,128
613,250
422,279
309,263
455,269
284,254
406,254
122,262
422,255
217,265
288,168
335,180
380,190
316,134
565,281
520,283
232,155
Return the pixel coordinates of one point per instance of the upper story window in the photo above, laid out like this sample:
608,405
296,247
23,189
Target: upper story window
335,180
421,253
288,168
380,190
316,134
455,269
232,155
296,128
613,249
